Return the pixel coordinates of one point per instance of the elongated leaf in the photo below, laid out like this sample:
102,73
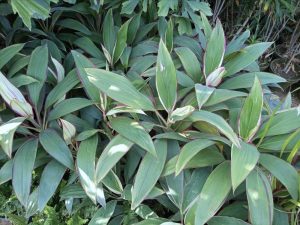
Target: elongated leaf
224,220
56,147
166,82
212,196
189,151
245,57
134,132
51,177
243,161
74,25
22,170
216,121
6,171
260,199
146,176
102,216
119,88
251,112
109,35
8,53
7,132
68,106
283,171
86,167
215,49
37,69
121,41
214,78
112,153
190,63
181,113
81,63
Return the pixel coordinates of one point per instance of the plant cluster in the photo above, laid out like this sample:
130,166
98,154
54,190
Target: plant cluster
145,117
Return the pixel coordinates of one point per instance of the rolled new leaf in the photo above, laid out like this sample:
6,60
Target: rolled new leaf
14,98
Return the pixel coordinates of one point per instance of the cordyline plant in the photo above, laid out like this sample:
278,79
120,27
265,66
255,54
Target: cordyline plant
151,128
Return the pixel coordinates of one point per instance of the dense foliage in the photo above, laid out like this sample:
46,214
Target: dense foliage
140,112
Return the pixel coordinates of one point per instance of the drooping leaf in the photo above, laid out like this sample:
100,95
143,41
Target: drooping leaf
283,171
7,131
112,153
134,132
50,179
189,151
56,147
243,161
22,170
260,199
166,82
251,112
8,53
119,88
146,176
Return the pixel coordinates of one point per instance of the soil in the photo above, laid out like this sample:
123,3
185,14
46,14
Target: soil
292,76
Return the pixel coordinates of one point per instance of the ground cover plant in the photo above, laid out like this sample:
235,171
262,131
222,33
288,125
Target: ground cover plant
140,112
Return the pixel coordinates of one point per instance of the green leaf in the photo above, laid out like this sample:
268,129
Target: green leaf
119,88
128,6
37,69
260,199
8,53
181,113
165,5
203,93
212,196
224,220
245,57
56,147
22,170
109,34
166,82
68,106
50,179
112,153
7,131
74,25
215,49
103,215
218,122
283,171
81,63
86,166
134,132
246,80
89,47
6,172
58,92
189,151
214,78
146,176
243,161
251,112
121,41
190,63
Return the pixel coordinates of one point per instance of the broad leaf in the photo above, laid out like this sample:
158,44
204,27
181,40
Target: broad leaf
224,220
146,176
202,94
243,161
251,112
8,53
134,132
166,82
103,215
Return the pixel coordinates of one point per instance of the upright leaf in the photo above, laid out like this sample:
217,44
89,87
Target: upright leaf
121,41
166,82
109,34
37,68
215,50
51,178
119,88
251,112
22,170
146,176
260,199
134,132
283,171
243,161
56,147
